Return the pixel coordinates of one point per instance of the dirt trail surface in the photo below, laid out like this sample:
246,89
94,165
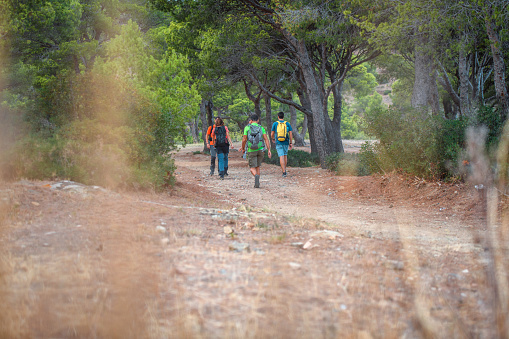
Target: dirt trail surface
311,255
433,217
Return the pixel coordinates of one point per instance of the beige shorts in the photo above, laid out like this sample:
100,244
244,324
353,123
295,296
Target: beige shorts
255,158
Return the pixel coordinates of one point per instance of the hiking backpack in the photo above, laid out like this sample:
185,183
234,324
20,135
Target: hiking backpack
220,134
281,131
254,137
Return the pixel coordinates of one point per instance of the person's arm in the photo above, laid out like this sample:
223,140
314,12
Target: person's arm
273,135
207,138
291,140
267,144
228,137
213,135
243,147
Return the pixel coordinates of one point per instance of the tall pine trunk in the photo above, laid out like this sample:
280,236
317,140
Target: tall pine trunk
315,95
298,136
337,140
464,81
303,97
425,90
499,69
206,120
268,118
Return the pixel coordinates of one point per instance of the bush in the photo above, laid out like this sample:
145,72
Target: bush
413,142
90,153
296,158
489,117
368,158
34,158
347,164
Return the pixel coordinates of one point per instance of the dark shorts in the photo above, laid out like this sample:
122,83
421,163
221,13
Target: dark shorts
255,158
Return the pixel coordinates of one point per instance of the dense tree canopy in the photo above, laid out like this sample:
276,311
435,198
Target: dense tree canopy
145,75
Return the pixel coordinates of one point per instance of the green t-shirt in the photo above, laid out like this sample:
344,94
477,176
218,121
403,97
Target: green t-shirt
246,131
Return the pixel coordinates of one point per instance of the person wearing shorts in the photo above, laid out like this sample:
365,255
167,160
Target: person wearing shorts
255,156
282,147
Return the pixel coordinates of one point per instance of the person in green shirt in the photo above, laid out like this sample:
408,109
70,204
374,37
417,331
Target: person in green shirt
254,141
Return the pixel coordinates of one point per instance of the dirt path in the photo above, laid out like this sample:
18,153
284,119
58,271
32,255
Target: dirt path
308,256
346,203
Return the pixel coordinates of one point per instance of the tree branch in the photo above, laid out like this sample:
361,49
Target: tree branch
446,82
278,98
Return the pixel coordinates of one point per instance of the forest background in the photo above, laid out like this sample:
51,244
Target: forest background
100,92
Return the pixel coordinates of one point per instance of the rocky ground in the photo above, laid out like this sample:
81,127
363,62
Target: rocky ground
310,255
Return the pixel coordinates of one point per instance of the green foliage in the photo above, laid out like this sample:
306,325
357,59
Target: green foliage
91,153
449,142
102,110
414,143
360,82
33,157
401,93
429,147
490,118
361,85
351,127
369,158
347,164
296,158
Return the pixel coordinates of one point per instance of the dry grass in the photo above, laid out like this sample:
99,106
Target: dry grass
95,267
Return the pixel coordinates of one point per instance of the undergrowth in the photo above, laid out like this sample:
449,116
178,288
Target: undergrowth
296,158
351,164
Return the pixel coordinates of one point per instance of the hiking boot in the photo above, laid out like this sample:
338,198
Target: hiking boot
221,177
226,171
257,181
284,174
212,168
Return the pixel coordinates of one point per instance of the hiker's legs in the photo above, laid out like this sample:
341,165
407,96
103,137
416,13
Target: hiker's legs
213,154
282,162
225,163
255,170
220,163
282,151
255,161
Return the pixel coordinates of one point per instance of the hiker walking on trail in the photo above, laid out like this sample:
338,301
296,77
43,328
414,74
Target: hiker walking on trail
255,137
281,134
222,143
210,145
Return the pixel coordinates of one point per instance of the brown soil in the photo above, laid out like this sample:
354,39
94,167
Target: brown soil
310,255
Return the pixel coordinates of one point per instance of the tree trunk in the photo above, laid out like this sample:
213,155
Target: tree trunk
337,140
268,118
312,140
448,108
464,81
425,91
205,122
315,94
254,98
298,137
303,97
499,69
193,130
